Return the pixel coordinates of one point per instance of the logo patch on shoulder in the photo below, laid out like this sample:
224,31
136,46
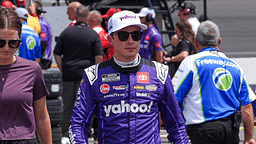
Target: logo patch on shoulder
147,37
43,35
104,88
157,44
142,77
110,77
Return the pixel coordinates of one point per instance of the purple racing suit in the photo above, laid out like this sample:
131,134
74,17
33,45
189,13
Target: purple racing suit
46,38
127,101
151,40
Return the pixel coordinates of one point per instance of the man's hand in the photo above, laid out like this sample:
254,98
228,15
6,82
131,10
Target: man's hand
174,41
168,59
251,141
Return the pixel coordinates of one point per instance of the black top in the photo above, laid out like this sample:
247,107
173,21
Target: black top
183,45
78,45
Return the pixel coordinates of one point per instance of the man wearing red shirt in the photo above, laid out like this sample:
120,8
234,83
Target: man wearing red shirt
95,20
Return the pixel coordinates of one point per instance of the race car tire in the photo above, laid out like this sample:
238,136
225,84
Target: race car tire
56,135
55,110
53,82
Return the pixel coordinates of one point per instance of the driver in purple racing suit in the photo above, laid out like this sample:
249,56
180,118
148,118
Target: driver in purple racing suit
126,93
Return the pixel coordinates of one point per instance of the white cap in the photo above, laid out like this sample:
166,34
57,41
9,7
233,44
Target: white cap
22,12
124,19
145,11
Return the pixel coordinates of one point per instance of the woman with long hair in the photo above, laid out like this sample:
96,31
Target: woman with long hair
185,47
23,110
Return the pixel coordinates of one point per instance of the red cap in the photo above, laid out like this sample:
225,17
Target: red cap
7,4
111,11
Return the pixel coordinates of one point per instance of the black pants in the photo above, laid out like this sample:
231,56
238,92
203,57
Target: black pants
214,132
25,141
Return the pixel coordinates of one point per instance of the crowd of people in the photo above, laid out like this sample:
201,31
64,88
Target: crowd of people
117,81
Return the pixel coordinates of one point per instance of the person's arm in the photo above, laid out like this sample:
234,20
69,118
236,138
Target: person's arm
43,124
156,42
58,60
38,53
248,122
49,44
97,49
98,59
159,56
84,109
177,58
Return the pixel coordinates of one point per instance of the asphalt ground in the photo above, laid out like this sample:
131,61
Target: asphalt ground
164,139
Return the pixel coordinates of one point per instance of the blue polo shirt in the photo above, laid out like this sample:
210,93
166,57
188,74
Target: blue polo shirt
30,47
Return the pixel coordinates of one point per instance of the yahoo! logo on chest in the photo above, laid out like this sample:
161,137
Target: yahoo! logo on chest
126,107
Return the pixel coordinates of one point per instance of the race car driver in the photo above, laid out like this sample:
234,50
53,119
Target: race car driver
126,93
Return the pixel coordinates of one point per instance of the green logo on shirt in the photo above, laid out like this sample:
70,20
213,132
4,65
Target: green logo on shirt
31,42
222,79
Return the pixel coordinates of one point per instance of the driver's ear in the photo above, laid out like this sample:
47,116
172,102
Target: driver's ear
110,39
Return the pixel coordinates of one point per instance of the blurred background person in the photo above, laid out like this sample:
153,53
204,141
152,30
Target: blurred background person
94,21
151,40
23,111
20,3
77,48
71,12
33,20
45,37
213,93
184,48
108,15
187,11
8,4
30,47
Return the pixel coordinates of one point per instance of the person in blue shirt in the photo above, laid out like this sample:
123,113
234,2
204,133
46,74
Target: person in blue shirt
211,90
30,47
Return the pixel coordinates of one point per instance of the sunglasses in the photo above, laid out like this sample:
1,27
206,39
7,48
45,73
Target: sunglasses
123,35
11,43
